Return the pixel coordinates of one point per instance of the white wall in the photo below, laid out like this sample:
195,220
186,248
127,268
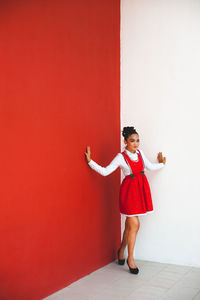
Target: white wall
160,94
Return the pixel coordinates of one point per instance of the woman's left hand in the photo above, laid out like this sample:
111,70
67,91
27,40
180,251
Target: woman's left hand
161,159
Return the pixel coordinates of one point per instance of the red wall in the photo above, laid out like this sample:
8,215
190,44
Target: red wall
59,92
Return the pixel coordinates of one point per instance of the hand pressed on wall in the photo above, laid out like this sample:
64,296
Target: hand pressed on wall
161,159
87,154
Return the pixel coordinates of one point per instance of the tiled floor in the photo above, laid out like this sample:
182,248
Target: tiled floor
154,281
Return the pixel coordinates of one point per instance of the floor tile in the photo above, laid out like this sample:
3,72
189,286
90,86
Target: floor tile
191,279
180,292
197,297
155,281
147,292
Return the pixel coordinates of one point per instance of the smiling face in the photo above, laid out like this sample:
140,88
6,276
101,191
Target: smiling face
132,142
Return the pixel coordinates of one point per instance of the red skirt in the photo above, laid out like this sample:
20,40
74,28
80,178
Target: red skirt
135,195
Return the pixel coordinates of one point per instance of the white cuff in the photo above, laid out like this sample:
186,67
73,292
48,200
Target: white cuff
90,162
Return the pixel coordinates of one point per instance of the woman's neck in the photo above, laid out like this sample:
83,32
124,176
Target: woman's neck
130,151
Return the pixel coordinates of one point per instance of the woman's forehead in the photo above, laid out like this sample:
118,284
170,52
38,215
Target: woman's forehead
134,135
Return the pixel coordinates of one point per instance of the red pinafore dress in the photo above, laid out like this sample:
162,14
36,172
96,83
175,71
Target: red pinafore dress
135,195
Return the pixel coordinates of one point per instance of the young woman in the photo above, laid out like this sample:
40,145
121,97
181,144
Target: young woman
135,195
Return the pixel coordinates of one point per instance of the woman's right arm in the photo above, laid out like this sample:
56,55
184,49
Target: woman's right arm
104,171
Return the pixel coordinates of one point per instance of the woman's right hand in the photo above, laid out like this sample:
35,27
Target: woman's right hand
87,154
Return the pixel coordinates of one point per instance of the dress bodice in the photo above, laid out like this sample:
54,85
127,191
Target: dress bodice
136,166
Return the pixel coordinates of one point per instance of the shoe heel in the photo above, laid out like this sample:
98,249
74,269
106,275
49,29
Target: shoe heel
120,261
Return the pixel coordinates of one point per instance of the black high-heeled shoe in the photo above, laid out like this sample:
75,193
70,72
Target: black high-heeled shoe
120,261
132,270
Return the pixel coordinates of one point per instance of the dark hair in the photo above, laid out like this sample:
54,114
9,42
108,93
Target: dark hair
128,131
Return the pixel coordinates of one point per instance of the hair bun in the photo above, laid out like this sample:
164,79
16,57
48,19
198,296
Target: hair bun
128,131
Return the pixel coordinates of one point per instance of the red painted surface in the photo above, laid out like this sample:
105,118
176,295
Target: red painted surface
59,92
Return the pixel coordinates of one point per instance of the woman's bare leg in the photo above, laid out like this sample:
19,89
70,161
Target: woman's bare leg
133,225
124,242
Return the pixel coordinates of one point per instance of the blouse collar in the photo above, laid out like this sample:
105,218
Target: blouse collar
131,153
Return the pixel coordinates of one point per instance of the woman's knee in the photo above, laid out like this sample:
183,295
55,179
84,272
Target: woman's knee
133,223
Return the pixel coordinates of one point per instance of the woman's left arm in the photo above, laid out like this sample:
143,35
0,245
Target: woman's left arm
149,165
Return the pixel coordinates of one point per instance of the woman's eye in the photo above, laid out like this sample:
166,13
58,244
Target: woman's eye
134,141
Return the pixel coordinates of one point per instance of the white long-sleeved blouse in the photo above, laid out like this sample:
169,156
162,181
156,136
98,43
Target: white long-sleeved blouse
119,161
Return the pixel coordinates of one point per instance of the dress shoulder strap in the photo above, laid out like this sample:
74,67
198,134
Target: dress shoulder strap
142,159
126,159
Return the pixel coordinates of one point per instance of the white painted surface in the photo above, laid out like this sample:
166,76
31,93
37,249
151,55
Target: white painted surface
160,94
